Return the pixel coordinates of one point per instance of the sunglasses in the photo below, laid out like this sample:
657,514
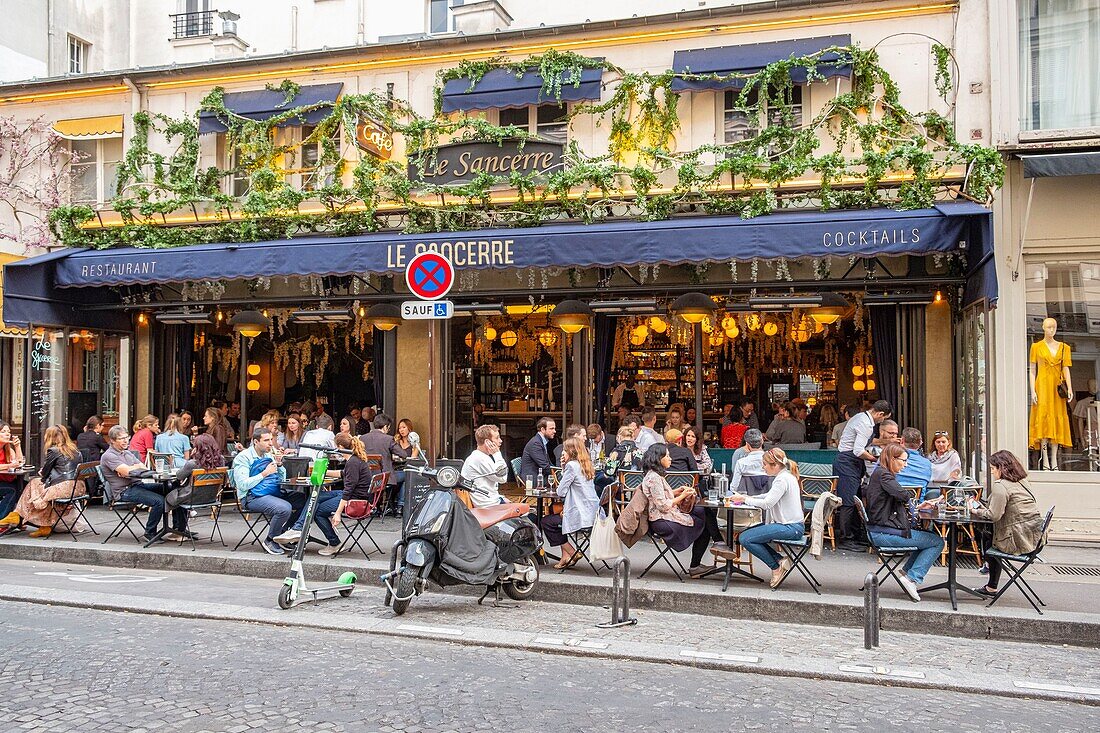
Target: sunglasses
938,433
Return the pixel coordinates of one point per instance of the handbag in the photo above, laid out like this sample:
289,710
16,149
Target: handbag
356,508
603,542
1063,389
689,503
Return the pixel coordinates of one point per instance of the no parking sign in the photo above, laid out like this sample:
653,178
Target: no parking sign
429,276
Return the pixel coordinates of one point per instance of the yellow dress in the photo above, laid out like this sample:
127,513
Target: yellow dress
1049,416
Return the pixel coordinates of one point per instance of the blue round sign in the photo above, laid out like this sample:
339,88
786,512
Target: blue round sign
429,276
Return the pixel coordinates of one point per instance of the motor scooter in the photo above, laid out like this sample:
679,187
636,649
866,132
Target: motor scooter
448,544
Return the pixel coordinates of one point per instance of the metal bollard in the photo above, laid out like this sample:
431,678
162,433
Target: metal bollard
870,611
620,595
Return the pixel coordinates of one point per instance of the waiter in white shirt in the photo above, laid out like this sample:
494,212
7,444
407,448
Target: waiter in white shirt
848,467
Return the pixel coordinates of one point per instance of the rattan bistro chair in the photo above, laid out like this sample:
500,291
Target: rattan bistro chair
206,493
812,488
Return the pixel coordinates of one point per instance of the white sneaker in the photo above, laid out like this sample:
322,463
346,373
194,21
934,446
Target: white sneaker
289,537
329,550
910,587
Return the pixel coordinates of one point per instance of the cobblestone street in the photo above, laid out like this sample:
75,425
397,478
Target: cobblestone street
81,670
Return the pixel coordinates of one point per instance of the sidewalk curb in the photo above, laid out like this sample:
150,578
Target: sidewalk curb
742,602
624,650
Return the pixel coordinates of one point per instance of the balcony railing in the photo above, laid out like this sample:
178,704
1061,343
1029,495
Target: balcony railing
192,25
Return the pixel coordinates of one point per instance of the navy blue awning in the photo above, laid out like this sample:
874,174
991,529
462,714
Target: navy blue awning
749,59
30,297
29,284
264,104
500,89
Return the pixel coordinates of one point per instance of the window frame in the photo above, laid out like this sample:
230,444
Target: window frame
765,113
533,126
304,172
83,49
100,163
449,18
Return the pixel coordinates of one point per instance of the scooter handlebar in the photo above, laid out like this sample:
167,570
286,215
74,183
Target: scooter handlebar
325,449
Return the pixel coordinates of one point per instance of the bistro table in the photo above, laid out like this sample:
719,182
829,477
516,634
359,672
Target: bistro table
21,475
162,483
951,519
731,565
542,499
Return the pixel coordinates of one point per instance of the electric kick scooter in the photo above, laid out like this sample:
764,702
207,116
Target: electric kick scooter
294,586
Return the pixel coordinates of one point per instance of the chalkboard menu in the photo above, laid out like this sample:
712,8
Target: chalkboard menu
417,486
45,375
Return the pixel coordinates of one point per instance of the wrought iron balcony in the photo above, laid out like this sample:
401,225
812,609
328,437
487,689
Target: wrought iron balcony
193,25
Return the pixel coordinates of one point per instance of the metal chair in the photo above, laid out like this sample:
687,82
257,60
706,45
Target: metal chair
515,464
358,527
206,493
253,527
1015,565
631,481
60,507
813,487
126,511
890,557
795,551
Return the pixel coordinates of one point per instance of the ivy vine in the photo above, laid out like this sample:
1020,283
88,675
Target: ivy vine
864,134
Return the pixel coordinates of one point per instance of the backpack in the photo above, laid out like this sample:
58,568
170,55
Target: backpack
269,485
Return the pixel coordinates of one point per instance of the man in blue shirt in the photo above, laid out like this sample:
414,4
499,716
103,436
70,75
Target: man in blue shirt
918,471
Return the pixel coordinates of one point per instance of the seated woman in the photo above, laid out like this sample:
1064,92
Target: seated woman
887,505
57,480
677,528
698,449
11,459
1017,524
357,480
578,489
328,502
786,520
204,454
946,464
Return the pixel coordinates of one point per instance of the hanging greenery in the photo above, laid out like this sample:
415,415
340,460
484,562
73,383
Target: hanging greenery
871,138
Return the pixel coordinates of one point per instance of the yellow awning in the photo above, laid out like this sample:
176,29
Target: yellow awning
5,258
89,128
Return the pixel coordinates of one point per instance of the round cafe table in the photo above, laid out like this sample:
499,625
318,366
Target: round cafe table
732,564
951,519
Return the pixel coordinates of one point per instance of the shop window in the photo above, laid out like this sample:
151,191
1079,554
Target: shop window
1068,293
78,55
742,121
1059,64
95,169
550,121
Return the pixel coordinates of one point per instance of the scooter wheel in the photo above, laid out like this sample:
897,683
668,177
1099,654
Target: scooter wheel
403,593
345,592
522,591
284,598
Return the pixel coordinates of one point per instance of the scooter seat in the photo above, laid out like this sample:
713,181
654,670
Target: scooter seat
490,515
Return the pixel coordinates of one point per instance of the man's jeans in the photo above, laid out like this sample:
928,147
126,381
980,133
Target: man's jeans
141,495
930,545
756,539
327,501
277,508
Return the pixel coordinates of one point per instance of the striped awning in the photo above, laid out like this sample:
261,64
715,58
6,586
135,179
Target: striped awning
5,258
89,128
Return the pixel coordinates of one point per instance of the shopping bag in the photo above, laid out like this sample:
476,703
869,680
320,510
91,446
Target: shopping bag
603,543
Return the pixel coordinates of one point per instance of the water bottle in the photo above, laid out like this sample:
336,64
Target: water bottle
540,486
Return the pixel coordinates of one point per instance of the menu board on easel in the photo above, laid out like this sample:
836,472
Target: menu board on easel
45,375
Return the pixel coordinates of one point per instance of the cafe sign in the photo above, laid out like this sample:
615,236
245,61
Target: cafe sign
462,162
373,138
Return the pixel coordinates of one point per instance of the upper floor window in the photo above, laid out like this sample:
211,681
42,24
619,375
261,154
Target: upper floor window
439,15
548,121
743,121
78,55
194,19
1059,64
314,175
95,169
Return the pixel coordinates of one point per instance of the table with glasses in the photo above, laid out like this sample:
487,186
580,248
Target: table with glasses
952,519
732,565
543,499
161,482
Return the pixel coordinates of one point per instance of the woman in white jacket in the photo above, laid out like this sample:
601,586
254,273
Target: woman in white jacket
579,491
786,520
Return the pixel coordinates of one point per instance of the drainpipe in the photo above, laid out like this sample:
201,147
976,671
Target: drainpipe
361,26
49,37
293,27
137,104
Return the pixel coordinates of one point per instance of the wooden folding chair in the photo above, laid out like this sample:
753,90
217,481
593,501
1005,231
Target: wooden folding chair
965,530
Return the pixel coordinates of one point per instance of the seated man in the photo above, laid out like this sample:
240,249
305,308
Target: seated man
257,473
485,468
321,435
918,471
752,463
118,462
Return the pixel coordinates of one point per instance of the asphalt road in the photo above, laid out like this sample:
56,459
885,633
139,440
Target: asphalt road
64,669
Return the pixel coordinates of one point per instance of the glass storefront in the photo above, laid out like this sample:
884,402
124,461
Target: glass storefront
1064,295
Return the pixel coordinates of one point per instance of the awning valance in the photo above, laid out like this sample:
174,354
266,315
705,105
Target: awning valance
5,258
89,128
1061,164
749,59
263,104
501,89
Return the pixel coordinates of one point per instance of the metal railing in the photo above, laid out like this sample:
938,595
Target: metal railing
192,25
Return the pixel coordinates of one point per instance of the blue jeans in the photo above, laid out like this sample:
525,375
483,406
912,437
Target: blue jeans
327,501
277,508
756,539
142,495
397,489
916,566
8,498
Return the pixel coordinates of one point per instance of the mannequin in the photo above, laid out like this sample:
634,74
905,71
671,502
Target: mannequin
1081,418
1049,422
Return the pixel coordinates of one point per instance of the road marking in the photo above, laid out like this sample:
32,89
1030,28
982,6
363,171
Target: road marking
103,578
578,643
440,630
693,654
1048,687
908,674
